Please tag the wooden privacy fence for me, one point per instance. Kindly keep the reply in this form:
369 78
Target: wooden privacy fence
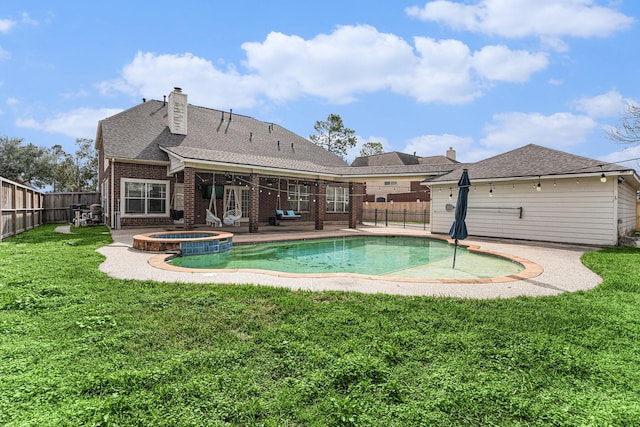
61 207
21 208
408 214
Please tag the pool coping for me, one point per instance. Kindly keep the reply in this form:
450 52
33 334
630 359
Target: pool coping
562 269
530 271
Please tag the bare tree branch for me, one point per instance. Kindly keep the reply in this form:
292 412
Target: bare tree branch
629 130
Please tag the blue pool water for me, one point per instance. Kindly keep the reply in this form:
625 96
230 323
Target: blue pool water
402 257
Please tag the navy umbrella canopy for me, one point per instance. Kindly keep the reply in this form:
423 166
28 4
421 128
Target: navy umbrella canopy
458 229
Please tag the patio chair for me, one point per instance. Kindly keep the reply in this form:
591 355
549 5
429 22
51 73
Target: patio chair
213 220
232 217
281 214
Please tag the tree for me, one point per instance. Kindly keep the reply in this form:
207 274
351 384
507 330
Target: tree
371 149
43 167
26 164
629 130
334 136
77 172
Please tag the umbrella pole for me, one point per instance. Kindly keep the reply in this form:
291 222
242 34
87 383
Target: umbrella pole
455 249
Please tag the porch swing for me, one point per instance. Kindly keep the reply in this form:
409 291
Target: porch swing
212 217
233 210
281 213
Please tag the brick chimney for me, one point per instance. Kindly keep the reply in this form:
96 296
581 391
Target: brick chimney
177 112
451 153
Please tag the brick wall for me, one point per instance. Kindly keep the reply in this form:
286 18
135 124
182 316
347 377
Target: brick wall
139 171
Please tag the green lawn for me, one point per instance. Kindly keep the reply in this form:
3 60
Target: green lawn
80 348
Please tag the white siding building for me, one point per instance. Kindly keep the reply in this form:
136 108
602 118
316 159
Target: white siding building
535 193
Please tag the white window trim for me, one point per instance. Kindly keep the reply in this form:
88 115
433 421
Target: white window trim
167 203
331 191
299 197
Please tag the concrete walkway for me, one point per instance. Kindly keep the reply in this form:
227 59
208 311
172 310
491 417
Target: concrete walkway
562 270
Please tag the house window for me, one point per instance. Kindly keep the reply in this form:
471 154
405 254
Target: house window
298 198
142 197
387 183
337 199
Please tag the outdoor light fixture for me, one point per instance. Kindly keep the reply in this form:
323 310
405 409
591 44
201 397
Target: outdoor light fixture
538 187
603 178
450 193
490 190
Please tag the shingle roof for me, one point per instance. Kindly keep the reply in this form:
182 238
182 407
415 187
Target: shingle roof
139 132
437 160
527 161
395 158
386 159
142 133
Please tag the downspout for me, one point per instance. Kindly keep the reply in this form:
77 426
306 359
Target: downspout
112 195
615 214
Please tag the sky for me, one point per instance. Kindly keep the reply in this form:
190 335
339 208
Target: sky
481 76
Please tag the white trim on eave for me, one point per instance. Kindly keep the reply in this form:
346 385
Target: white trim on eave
629 172
178 163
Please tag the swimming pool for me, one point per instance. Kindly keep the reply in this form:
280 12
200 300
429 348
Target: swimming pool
385 256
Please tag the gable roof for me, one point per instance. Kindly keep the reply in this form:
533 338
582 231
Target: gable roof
386 159
437 160
142 133
530 161
396 158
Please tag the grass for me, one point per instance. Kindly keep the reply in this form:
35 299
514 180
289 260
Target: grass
80 348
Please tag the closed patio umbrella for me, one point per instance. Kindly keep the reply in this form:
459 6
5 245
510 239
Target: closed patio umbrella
459 228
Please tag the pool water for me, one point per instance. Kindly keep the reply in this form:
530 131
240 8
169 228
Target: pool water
401 257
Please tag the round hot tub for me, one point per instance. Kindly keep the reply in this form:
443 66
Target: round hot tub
186 242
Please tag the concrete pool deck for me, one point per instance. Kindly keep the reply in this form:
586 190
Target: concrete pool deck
561 269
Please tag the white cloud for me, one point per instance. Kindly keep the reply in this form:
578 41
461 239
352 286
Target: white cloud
26 19
437 145
73 95
4 54
151 76
522 18
12 101
442 73
6 25
627 156
504 64
79 123
610 104
559 130
351 61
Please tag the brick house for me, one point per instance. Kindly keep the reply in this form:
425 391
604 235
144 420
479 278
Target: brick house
167 161
402 190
